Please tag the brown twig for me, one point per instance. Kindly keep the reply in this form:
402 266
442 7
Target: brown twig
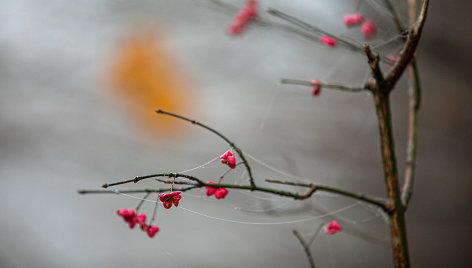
408 51
311 28
414 105
305 248
195 182
333 190
318 32
140 178
230 143
324 85
136 191
412 10
381 93
396 18
374 65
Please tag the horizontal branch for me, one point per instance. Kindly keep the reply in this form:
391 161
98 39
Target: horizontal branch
333 190
136 191
195 182
230 143
323 85
140 178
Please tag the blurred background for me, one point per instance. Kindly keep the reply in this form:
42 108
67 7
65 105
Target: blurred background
79 83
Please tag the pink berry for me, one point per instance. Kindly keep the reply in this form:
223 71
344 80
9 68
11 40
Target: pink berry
170 198
152 231
329 41
131 224
368 28
210 190
353 19
333 227
141 219
221 193
231 161
317 87
241 19
144 227
167 204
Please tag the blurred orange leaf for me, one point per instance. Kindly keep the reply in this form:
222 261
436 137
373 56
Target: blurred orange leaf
145 78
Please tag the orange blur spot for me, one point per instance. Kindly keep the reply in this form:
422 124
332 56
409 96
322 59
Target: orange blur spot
145 78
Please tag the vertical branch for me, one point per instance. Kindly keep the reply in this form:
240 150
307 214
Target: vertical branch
374 64
414 105
397 221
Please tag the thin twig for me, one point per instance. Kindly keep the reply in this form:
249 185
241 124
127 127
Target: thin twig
351 44
332 190
412 11
141 202
311 28
227 171
374 64
136 191
140 178
396 18
323 85
305 248
154 213
315 235
408 51
414 105
230 143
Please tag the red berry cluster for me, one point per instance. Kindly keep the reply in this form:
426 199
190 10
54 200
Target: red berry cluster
170 198
219 192
228 158
130 217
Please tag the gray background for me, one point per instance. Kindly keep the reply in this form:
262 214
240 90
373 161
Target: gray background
63 130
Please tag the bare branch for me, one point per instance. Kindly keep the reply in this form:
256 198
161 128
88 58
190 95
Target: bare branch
330 189
305 248
374 64
323 85
316 30
408 51
351 44
230 143
412 11
396 18
414 105
158 190
197 183
140 178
